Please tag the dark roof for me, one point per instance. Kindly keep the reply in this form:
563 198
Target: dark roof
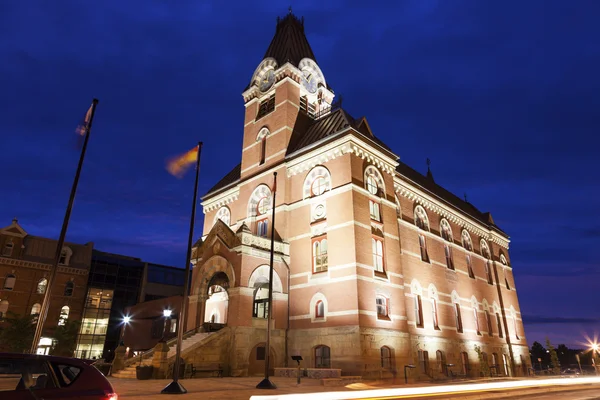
289 43
231 177
428 184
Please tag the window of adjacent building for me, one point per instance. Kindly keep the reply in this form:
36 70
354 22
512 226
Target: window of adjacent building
440 359
318 186
488 321
448 254
470 267
418 305
464 363
173 326
434 314
466 240
320 254
261 302
374 210
488 272
35 312
8 248
64 315
386 357
266 106
424 361
372 185
421 219
499 323
322 357
423 248
42 285
9 282
320 309
382 307
476 319
3 309
458 318
224 215
377 249
69 289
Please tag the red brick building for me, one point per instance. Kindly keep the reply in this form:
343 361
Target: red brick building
376 266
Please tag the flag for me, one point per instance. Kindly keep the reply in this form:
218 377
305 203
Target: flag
83 125
178 165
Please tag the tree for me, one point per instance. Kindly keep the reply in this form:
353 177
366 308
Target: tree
17 334
65 339
483 363
553 357
538 352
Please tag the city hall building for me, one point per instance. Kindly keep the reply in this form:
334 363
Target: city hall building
376 266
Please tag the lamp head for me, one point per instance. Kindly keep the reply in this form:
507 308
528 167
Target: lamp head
126 319
167 312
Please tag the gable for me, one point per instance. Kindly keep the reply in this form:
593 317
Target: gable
13 229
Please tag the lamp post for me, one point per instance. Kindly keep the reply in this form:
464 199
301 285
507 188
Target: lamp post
594 347
126 320
405 374
167 315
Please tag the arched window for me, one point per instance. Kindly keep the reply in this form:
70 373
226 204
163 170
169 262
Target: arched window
418 304
382 307
466 240
224 215
377 249
261 299
374 210
449 259
470 267
64 315
488 321
262 139
424 361
440 359
320 254
423 248
374 181
464 363
457 312
446 230
434 314
8 248
322 357
485 249
3 309
504 268
488 272
69 289
513 314
261 193
42 285
495 366
317 182
476 315
386 358
320 309
9 282
262 207
421 219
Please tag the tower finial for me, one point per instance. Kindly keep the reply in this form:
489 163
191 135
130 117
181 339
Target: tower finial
429 174
428 164
290 9
466 198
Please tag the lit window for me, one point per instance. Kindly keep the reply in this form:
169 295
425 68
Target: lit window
448 253
9 282
69 289
434 314
423 246
382 307
421 219
320 309
320 255
418 311
3 308
35 312
8 248
372 185
261 301
446 230
318 186
262 227
377 248
42 285
64 315
374 210
470 267
466 240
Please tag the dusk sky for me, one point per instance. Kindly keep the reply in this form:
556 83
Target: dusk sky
502 96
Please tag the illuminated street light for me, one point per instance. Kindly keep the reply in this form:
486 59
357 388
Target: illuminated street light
167 313
126 319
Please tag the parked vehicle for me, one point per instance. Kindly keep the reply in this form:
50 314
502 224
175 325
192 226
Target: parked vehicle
37 377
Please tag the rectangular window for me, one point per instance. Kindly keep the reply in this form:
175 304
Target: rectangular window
266 106
458 317
488 320
499 323
476 318
262 227
382 307
470 267
448 253
418 311
506 279
374 209
377 248
424 361
488 272
423 246
263 150
434 311
173 327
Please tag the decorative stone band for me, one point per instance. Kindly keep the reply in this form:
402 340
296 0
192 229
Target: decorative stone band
264 243
222 199
42 266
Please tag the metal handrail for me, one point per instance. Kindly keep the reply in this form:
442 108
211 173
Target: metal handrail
140 358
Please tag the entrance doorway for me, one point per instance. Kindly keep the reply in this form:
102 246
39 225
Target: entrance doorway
256 361
217 303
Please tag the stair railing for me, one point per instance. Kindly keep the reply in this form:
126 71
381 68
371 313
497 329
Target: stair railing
148 354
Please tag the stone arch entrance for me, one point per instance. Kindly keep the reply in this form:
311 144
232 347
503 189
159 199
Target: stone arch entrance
256 360
216 306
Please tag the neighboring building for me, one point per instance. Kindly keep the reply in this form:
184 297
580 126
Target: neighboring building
25 264
376 265
117 282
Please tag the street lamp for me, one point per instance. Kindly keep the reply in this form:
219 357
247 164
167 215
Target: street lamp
594 347
167 315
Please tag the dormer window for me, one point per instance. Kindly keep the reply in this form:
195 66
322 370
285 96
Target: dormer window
8 248
65 256
266 107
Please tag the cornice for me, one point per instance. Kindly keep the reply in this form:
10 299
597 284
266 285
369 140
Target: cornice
36 265
418 196
222 199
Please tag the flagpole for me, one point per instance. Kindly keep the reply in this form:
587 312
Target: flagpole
175 387
61 239
266 383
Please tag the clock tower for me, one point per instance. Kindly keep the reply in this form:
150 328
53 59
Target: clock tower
287 92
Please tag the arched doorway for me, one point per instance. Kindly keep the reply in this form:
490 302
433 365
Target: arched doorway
216 305
261 299
256 361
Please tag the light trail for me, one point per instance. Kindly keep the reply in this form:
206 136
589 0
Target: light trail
432 390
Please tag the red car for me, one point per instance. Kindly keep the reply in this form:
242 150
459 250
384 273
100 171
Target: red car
37 377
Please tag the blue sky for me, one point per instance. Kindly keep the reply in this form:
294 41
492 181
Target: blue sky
501 96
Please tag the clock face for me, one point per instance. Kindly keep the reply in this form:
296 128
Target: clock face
309 82
267 81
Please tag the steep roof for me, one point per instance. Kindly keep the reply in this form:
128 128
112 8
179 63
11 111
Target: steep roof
231 177
289 43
